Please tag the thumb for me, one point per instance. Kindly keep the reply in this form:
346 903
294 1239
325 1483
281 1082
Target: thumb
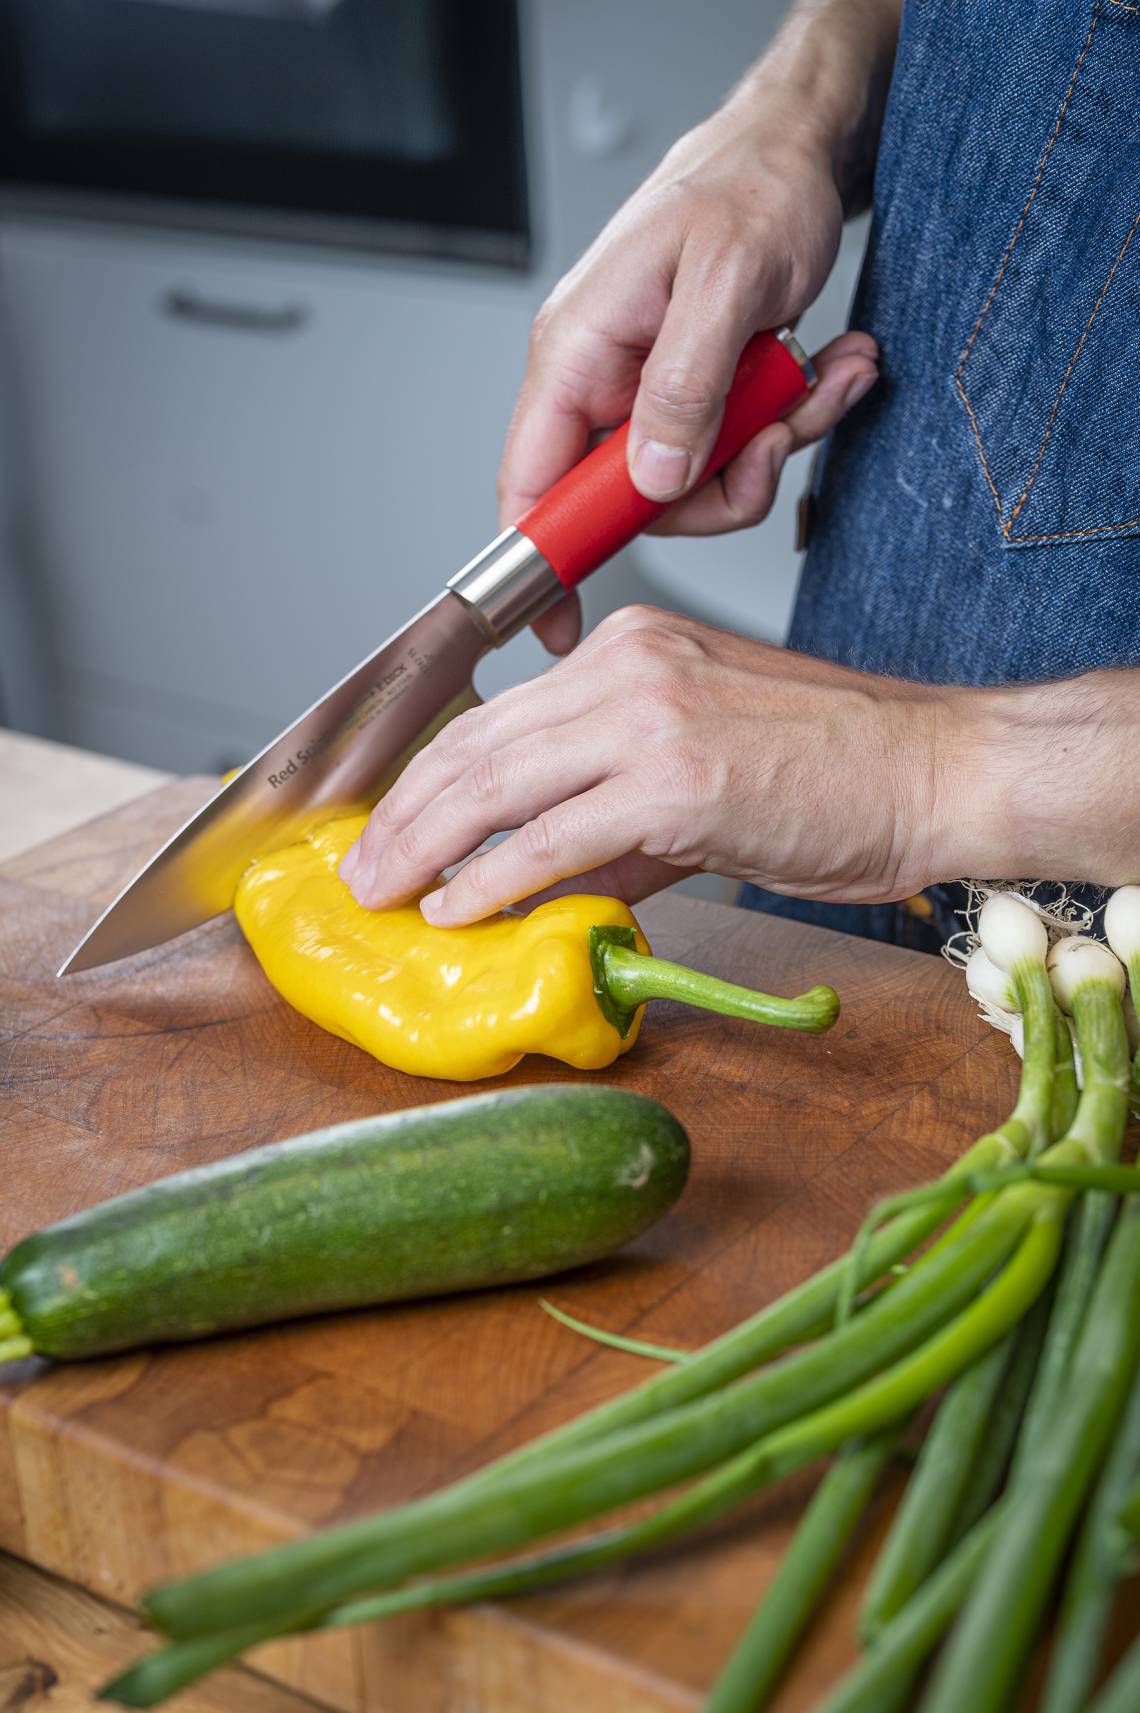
683 386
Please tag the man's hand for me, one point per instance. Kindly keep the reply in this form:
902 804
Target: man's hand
659 747
662 746
736 230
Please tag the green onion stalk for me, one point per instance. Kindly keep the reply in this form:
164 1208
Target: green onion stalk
173 1668
982 1664
992 1458
924 1522
615 1340
1129 1518
274 1592
1094 1137
1092 1219
992 1462
1011 936
964 1456
1121 1694
980 1667
760 1657
477 1516
1098 1564
882 1679
1065 1091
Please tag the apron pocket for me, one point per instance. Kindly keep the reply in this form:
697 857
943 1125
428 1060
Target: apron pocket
1049 373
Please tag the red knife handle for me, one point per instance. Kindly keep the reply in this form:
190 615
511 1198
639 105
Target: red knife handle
595 510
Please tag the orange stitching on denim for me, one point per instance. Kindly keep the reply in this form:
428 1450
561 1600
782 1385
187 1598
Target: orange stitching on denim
1121 7
1042 164
1079 534
999 276
981 449
1067 376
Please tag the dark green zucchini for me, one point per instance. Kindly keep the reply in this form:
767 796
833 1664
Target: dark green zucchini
480 1191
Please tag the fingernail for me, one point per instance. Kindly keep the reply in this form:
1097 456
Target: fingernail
858 389
363 886
431 905
661 470
348 862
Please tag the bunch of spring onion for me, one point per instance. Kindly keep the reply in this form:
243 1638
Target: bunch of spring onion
713 1429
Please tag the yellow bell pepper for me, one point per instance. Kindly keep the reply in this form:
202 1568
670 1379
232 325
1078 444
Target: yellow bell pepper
568 980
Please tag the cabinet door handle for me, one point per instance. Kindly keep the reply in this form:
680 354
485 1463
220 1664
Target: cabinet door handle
182 304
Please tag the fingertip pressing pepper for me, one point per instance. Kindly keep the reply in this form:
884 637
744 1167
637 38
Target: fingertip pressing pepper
570 979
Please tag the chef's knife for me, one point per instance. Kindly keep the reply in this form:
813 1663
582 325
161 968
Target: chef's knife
344 752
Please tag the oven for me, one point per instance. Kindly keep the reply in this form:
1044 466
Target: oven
396 124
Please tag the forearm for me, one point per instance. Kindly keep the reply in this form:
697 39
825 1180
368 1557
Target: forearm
830 67
1041 782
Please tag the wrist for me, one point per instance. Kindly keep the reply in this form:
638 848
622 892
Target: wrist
974 832
823 84
1033 786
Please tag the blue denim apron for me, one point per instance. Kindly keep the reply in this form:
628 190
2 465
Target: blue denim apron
976 520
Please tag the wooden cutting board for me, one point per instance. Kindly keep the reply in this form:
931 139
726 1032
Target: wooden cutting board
121 1473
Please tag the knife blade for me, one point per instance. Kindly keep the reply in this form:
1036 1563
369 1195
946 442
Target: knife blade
344 751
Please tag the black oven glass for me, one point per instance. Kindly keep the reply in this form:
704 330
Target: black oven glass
382 116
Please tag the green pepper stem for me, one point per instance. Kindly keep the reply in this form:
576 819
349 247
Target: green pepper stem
632 978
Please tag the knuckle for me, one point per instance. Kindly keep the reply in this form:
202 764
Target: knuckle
538 840
651 649
386 817
409 845
540 326
485 780
465 730
472 883
745 511
636 652
637 616
680 395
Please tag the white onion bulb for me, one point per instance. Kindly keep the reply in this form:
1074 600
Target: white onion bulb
1122 922
989 985
1011 931
1077 959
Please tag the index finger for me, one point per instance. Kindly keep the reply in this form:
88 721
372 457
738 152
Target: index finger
572 837
572 388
